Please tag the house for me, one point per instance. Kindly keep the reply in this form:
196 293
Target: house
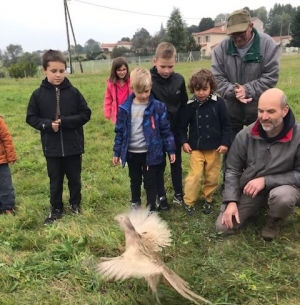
108 47
282 40
209 39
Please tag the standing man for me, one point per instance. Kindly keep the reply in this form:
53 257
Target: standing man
263 168
245 65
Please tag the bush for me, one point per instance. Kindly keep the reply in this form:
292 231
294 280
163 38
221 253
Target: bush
21 70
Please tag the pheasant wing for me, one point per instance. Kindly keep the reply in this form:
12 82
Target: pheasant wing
151 227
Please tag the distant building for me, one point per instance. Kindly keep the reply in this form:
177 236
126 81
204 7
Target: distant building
108 47
282 40
209 39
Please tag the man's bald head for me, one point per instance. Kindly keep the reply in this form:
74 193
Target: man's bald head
273 97
272 108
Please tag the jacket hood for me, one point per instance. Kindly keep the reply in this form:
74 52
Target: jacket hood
65 84
154 73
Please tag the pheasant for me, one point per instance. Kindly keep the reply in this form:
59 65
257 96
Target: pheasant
145 236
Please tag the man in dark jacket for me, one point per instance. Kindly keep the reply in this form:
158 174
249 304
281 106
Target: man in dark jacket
263 168
59 111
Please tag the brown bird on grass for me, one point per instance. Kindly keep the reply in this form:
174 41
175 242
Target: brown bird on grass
145 235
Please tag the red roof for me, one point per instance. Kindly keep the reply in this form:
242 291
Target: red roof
210 31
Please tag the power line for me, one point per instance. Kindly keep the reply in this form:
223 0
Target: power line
126 11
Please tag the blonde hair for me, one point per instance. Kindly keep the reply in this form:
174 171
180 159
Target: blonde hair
165 50
140 79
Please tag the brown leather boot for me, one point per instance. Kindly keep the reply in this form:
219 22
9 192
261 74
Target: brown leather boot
271 229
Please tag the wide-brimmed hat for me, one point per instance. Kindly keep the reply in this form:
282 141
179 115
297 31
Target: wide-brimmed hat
238 21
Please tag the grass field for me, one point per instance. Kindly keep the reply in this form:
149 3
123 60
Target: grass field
55 265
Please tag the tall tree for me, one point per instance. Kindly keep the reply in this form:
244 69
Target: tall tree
177 31
295 29
206 24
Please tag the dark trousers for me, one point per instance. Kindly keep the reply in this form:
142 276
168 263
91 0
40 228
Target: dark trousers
138 170
7 192
57 168
176 173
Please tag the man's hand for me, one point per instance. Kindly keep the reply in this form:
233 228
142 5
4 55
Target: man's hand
240 94
230 212
253 187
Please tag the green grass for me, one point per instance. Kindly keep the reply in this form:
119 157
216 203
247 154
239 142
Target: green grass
55 265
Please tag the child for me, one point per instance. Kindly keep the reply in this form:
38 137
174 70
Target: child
169 88
142 134
206 118
117 88
7 156
59 111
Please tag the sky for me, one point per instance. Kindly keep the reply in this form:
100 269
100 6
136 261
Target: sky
40 24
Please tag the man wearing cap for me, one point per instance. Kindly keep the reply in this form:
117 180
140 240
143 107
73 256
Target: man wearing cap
245 65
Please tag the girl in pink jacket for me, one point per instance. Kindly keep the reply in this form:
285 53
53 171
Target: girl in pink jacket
117 88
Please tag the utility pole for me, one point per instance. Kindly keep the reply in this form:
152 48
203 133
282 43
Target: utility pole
68 38
74 38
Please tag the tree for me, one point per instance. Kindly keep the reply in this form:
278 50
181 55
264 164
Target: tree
192 29
125 39
295 30
11 54
221 17
192 45
206 24
118 52
26 65
177 31
140 41
158 38
279 19
91 46
260 13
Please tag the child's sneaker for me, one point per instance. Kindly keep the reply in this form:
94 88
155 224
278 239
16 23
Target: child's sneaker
76 208
206 208
162 204
152 209
135 205
178 199
54 215
190 209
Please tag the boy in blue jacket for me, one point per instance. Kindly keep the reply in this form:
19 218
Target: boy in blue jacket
142 134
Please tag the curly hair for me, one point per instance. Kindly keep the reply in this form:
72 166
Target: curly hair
200 79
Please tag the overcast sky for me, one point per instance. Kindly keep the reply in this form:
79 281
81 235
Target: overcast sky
40 24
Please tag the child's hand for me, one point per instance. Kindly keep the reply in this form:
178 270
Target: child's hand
222 149
116 160
187 148
55 125
172 158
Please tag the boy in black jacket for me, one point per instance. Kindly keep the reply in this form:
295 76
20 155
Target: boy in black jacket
204 131
169 88
59 111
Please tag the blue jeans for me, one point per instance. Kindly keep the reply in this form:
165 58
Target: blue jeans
7 192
